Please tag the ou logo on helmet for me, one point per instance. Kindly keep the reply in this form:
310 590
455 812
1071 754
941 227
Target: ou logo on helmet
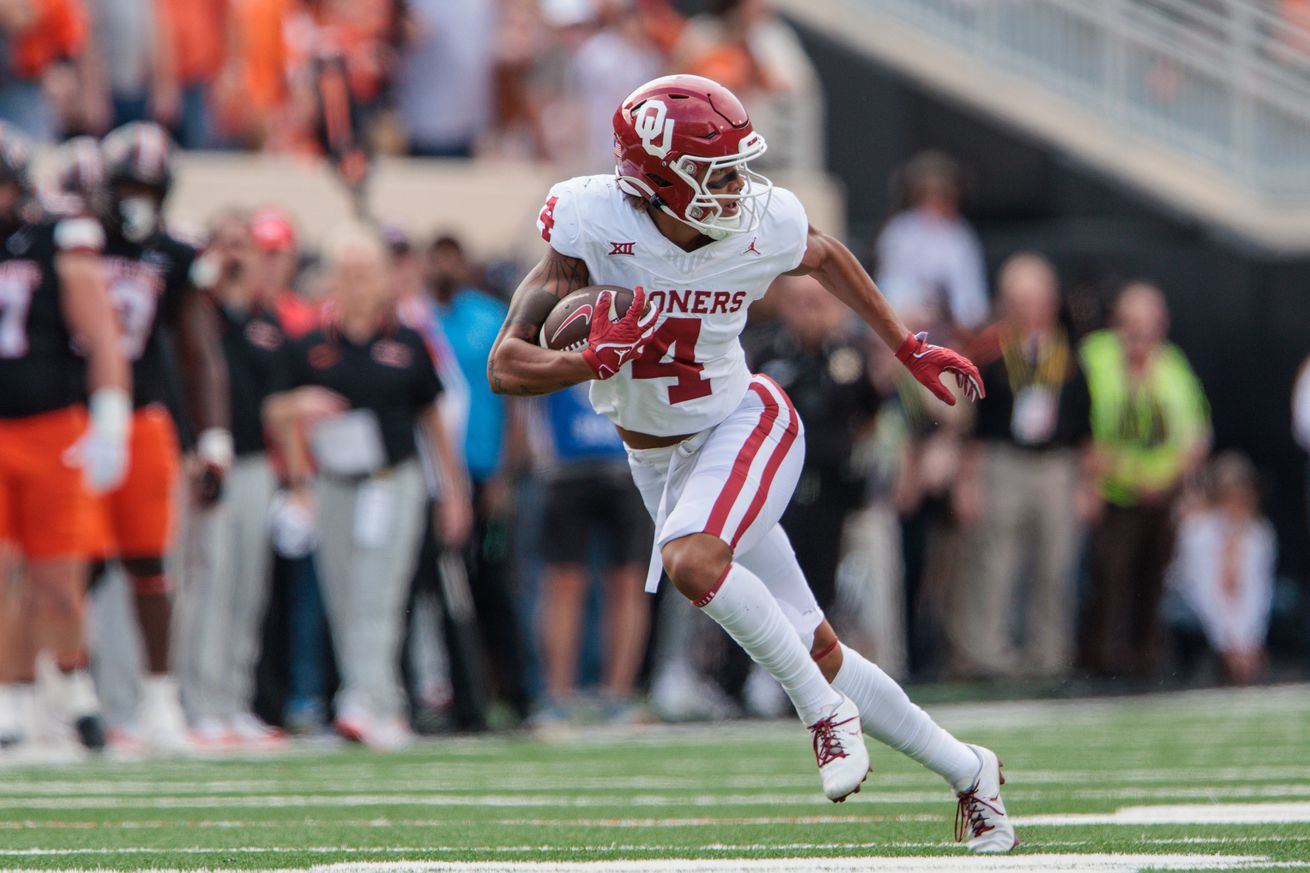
654 127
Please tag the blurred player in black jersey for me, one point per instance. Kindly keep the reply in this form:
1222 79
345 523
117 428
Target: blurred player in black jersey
53 454
148 273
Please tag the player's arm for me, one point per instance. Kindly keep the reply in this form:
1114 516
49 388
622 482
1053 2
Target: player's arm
203 369
89 314
204 374
90 317
838 270
518 364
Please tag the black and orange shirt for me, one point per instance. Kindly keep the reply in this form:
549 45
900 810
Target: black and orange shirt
39 368
391 374
147 282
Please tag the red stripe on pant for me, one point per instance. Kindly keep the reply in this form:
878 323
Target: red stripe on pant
742 465
774 462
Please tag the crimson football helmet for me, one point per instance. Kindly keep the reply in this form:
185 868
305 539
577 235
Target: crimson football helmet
672 134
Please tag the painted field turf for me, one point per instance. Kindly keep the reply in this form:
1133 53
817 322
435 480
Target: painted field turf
1196 781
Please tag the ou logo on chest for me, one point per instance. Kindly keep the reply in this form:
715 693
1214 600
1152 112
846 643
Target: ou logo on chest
654 127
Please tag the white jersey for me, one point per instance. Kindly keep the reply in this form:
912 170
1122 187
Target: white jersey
693 374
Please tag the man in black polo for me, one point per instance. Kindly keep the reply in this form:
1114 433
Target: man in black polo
229 554
350 395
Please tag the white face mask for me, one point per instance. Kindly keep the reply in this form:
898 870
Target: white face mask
140 215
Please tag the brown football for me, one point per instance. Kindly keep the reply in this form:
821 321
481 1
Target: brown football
569 323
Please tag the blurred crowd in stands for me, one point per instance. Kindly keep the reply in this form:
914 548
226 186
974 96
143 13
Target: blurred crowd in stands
1073 524
439 78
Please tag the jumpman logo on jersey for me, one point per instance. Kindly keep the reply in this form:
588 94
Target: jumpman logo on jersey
751 248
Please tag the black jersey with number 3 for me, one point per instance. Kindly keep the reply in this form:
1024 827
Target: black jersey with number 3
39 369
146 282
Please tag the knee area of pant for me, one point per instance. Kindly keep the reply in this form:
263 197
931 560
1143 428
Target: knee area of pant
696 563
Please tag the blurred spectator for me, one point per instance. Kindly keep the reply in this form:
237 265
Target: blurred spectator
591 510
272 267
928 257
931 442
747 47
471 320
198 36
444 87
253 88
1301 411
615 59
1150 428
45 82
821 363
553 105
442 659
273 271
359 387
1224 567
230 559
137 61
1021 484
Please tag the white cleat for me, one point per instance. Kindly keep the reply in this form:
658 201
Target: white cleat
981 814
163 726
840 752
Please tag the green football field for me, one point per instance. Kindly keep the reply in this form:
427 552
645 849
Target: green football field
1197 781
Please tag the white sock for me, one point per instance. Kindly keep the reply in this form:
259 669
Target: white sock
743 606
890 717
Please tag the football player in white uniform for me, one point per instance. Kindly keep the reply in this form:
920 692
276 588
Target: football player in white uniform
715 450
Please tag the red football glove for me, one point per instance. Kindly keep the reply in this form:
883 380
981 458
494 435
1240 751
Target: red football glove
611 344
927 363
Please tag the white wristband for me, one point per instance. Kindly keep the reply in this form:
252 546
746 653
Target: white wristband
215 447
111 413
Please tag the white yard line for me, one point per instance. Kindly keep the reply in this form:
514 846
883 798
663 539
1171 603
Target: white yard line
536 777
1191 814
1045 863
698 798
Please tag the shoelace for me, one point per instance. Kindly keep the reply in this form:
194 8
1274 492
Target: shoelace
969 815
827 746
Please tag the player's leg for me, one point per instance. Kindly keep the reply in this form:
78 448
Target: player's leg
52 520
141 516
740 477
11 619
887 714
16 652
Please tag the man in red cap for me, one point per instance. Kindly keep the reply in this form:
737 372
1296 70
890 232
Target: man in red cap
276 259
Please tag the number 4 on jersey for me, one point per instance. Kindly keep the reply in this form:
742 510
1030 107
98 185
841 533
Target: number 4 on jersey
676 337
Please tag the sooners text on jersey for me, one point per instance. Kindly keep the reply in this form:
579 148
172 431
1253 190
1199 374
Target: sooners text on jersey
693 372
